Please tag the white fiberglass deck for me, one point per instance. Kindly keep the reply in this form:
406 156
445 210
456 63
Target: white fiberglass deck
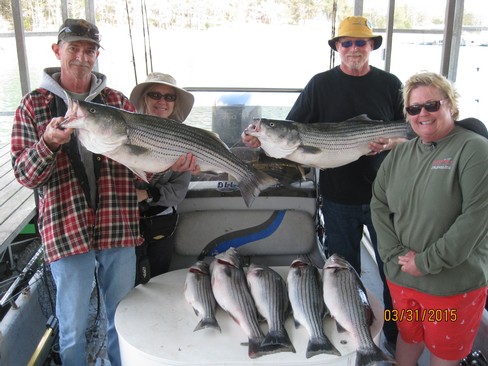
155 326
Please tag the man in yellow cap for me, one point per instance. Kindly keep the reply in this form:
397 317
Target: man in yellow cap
348 90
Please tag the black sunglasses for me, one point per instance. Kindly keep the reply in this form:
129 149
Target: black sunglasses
81 31
432 106
158 96
358 43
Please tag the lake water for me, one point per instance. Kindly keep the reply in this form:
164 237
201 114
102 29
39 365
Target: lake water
240 56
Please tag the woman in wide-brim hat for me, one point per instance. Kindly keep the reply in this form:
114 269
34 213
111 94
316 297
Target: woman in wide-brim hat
158 199
159 95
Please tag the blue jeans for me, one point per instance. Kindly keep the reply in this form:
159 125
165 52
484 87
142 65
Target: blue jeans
344 230
74 278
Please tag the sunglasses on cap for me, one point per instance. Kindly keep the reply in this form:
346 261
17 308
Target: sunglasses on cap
432 106
158 96
79 30
358 43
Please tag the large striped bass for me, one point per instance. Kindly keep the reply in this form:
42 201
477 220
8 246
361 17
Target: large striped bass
232 294
305 294
347 301
198 293
270 295
322 145
145 143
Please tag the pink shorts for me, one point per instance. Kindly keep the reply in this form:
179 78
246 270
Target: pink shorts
446 324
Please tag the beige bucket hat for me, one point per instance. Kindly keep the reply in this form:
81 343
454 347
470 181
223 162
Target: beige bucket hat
184 100
358 27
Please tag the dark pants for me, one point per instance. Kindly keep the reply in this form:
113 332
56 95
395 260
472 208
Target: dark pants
159 253
152 259
344 230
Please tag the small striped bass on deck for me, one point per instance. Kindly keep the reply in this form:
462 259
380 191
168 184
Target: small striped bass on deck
305 294
230 289
347 300
270 295
198 293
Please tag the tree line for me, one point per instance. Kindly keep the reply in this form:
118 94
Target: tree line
40 15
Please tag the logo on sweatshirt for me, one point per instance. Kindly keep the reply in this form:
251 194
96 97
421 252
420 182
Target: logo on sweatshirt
445 164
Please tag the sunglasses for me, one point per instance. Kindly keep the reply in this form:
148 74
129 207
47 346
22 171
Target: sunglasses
80 31
358 43
158 96
432 106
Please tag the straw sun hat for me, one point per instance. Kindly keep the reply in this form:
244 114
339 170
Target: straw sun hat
358 27
184 100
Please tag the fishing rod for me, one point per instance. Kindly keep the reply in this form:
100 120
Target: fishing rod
9 294
333 17
144 35
148 38
131 41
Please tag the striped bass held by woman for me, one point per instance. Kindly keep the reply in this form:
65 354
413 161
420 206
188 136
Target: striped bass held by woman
152 144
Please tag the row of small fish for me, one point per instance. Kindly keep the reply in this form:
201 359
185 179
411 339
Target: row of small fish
150 144
263 292
245 297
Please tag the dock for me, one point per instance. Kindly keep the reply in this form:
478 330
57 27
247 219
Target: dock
17 203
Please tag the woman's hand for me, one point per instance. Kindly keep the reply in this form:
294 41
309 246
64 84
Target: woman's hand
186 163
407 262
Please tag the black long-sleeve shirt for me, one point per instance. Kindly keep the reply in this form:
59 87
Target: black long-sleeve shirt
333 96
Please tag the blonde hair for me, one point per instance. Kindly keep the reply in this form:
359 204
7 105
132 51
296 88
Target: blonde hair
427 78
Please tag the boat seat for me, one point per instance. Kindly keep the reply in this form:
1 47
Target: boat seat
269 237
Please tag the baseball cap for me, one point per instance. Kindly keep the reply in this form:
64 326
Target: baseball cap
78 30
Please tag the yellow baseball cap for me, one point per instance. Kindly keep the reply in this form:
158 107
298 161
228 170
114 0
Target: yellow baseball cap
358 27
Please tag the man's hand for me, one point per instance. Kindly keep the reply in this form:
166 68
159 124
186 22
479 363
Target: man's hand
383 144
55 136
250 141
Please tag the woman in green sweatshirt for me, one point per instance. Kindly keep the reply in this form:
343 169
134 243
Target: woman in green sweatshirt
430 211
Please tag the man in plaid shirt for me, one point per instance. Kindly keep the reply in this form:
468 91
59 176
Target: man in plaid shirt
88 216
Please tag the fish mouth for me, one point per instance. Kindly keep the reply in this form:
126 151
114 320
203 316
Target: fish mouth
337 262
254 127
71 113
298 263
74 112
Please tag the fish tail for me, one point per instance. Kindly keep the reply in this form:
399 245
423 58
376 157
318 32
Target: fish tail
208 323
253 183
257 349
320 345
366 357
279 338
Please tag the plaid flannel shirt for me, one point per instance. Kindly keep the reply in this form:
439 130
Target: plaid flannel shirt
67 224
